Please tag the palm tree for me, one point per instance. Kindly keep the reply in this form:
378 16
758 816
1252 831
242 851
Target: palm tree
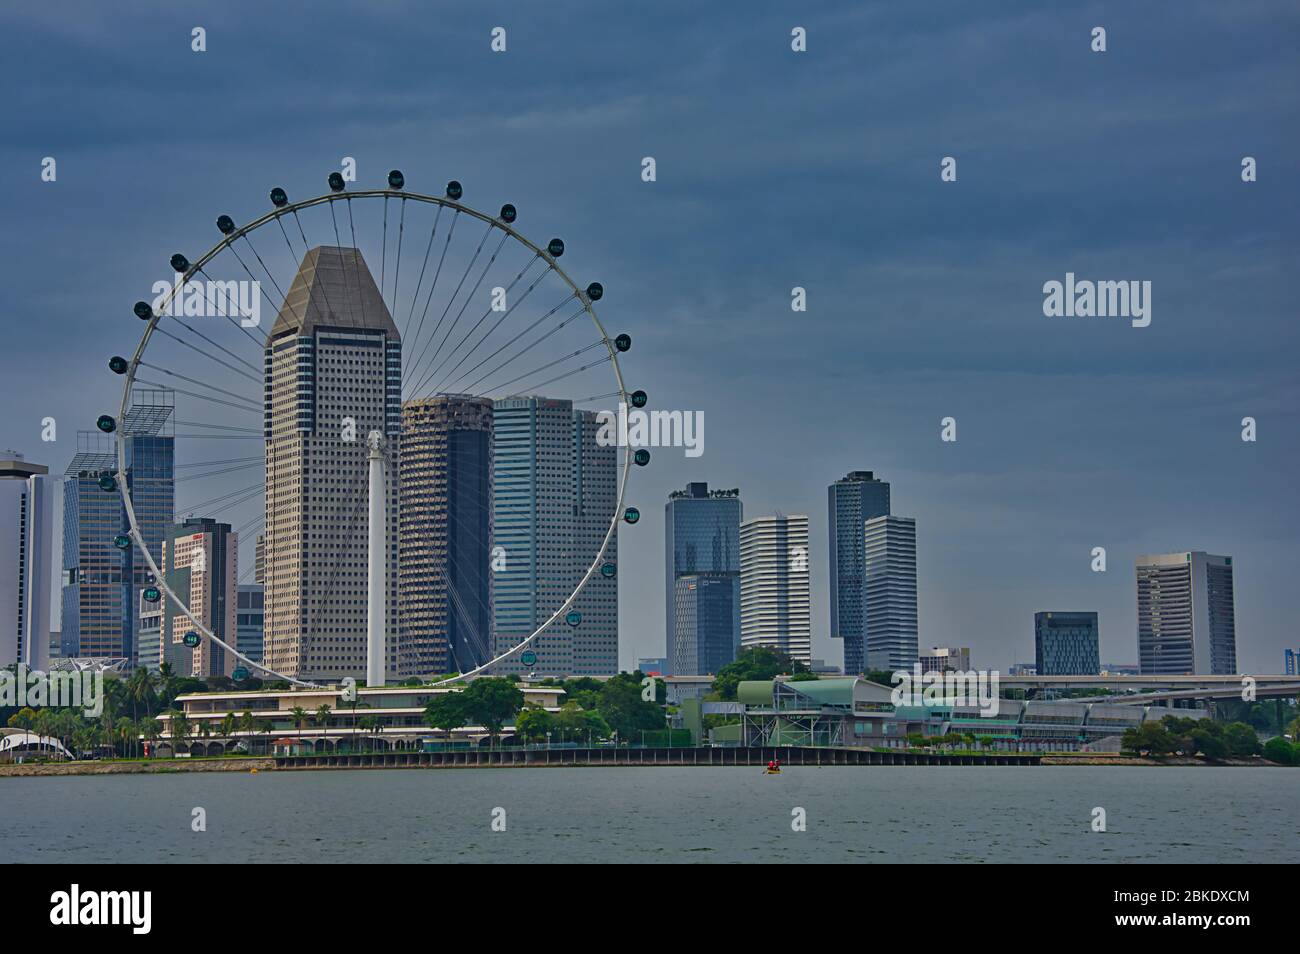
323 713
247 724
265 728
166 683
178 727
228 729
368 724
299 715
151 730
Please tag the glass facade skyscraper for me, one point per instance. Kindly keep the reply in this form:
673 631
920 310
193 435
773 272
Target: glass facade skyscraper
702 540
851 502
1066 644
101 583
444 553
553 497
706 610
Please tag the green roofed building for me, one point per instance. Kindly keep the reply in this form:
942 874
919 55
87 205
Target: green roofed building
847 711
855 713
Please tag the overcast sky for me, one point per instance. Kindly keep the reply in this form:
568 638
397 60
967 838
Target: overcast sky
775 169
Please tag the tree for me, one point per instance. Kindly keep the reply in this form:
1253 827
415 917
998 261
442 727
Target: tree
151 730
490 702
445 711
1208 743
228 723
299 716
323 713
368 724
1241 740
754 663
1149 737
573 719
623 709
1279 750
534 723
178 727
247 724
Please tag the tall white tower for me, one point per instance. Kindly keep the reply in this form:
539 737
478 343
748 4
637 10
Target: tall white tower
377 563
775 599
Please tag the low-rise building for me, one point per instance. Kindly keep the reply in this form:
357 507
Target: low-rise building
389 717
856 713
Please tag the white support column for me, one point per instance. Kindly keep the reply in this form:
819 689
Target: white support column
377 584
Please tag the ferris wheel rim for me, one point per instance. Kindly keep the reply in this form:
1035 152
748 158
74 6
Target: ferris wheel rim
275 215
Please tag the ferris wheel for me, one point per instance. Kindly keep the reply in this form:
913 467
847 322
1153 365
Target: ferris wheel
282 342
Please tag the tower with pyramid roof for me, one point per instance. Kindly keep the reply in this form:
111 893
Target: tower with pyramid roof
333 374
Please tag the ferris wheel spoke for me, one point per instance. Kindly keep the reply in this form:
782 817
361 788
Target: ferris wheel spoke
253 489
231 310
486 314
568 374
447 379
210 357
284 298
383 251
262 291
527 348
356 263
451 231
256 432
465 304
217 473
397 268
217 463
451 301
202 384
293 256
203 397
347 289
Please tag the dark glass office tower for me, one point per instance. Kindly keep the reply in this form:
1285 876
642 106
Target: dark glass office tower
702 540
852 501
1066 644
444 554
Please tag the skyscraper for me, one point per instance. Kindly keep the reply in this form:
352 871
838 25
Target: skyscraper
333 368
945 659
775 602
249 605
702 540
595 498
554 493
852 501
1186 616
444 552
199 560
147 434
102 583
707 614
97 606
889 593
26 561
1066 644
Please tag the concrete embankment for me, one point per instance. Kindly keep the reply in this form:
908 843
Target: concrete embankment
151 767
